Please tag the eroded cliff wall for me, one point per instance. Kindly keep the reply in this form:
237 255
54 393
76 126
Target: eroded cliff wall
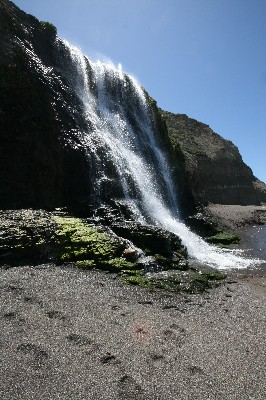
214 169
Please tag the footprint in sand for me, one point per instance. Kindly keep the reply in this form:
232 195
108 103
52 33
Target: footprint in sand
175 333
16 290
54 314
32 300
13 317
35 353
109 358
79 340
129 389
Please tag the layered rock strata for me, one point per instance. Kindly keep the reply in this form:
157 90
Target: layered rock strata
214 169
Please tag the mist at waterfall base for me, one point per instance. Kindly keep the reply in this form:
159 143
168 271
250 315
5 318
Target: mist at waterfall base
124 153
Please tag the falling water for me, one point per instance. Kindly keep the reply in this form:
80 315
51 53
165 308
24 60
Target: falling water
122 138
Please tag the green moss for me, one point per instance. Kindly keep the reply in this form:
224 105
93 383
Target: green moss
223 238
88 247
79 242
170 264
201 279
177 282
188 282
88 264
130 272
118 264
138 280
170 284
198 283
214 276
147 251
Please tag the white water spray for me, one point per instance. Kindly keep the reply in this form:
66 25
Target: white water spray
133 149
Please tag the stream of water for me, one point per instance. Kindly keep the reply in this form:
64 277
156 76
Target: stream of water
124 148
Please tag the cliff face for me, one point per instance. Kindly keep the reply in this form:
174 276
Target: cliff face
45 160
214 169
41 162
45 155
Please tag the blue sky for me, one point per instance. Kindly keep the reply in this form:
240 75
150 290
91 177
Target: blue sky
203 58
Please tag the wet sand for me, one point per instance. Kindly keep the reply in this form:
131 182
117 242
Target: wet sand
81 335
248 222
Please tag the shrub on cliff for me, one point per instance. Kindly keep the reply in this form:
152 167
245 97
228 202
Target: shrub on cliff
49 27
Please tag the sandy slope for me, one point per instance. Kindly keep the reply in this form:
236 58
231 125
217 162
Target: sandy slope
72 334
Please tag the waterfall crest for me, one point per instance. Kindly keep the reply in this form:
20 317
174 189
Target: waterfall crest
126 158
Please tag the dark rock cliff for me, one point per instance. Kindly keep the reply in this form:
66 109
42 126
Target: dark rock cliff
213 167
48 160
41 162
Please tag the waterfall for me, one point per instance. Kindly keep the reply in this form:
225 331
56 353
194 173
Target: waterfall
127 160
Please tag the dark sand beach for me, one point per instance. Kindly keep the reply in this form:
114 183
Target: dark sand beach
234 217
74 334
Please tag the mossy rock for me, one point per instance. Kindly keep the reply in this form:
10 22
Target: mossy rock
118 264
171 284
152 239
214 276
223 238
166 264
34 236
25 236
139 280
191 281
76 241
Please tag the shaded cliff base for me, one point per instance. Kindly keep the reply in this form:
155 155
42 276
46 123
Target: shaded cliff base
74 334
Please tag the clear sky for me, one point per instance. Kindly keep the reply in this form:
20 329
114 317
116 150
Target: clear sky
203 58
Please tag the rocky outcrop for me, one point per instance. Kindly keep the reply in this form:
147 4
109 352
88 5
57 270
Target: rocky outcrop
214 169
37 237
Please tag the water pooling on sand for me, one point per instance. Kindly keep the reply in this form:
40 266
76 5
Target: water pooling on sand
253 243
